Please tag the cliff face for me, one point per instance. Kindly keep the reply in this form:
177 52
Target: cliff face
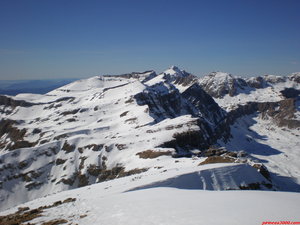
219 84
282 112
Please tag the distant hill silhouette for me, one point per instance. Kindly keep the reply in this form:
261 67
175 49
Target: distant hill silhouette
14 87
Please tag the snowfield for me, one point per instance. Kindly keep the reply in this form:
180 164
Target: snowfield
112 203
277 147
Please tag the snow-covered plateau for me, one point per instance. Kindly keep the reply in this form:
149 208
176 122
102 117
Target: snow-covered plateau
147 148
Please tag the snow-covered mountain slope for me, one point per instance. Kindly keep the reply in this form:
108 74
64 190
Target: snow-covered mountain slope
144 199
264 122
229 91
219 84
162 129
277 147
97 129
179 78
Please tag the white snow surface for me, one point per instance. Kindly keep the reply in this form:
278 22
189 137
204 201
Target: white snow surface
277 147
177 202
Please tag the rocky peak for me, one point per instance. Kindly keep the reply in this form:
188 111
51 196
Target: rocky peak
175 68
265 81
295 77
218 84
194 100
256 82
175 72
273 79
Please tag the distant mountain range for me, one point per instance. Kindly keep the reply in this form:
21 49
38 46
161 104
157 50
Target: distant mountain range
146 130
14 87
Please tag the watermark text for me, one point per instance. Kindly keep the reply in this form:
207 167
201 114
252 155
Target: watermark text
280 222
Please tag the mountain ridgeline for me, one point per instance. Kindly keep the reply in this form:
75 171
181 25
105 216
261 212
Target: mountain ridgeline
113 126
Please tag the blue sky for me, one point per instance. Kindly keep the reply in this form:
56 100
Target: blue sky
83 38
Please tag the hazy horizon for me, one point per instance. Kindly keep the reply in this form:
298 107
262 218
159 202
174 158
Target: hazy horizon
158 72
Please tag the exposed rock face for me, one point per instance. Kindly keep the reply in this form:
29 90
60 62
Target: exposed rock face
166 102
10 102
265 81
177 76
273 79
218 84
295 77
283 112
14 137
186 80
142 76
169 103
256 82
162 102
186 141
204 104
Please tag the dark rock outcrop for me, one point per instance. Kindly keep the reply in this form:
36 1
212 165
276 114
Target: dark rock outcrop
143 76
295 77
290 93
166 102
10 102
256 82
186 80
281 112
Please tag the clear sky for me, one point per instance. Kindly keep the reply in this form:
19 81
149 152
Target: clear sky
83 38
